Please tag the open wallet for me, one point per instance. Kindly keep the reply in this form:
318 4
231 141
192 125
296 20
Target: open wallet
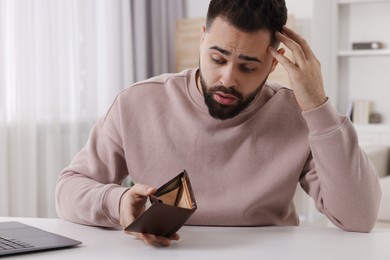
172 204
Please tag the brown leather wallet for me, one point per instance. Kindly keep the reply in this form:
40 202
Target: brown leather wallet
172 204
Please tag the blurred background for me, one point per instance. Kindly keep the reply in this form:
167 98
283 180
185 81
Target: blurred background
62 62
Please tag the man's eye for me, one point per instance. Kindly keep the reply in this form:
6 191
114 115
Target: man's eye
246 69
218 61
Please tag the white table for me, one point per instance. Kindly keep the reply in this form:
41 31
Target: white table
267 243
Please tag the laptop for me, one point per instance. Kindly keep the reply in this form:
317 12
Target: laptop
16 238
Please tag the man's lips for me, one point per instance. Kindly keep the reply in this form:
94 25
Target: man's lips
224 99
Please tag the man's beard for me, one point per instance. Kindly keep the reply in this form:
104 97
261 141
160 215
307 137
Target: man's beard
220 111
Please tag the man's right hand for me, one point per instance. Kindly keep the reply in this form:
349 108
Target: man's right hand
132 204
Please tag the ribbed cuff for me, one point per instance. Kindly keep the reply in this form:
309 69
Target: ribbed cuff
323 119
112 200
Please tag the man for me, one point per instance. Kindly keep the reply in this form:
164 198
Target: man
245 143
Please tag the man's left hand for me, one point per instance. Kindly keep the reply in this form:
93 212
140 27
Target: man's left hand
305 73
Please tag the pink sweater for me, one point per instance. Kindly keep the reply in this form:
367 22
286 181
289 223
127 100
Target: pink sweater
244 170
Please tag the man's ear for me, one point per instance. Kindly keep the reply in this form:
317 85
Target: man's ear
203 34
275 61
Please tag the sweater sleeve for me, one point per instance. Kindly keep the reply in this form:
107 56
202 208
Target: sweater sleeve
88 191
338 175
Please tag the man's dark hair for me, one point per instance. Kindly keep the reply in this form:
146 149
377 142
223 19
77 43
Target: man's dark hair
249 15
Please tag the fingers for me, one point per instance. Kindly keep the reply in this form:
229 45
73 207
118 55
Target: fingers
142 190
300 49
155 240
300 40
132 203
175 236
298 46
286 63
297 52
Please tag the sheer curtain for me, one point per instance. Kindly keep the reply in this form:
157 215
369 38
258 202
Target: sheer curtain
61 64
154 27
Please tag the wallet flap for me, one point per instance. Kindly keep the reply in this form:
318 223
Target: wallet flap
183 198
177 192
172 204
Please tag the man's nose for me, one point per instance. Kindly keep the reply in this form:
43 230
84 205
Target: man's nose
228 78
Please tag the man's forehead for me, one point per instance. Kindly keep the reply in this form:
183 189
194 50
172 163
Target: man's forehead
221 24
225 36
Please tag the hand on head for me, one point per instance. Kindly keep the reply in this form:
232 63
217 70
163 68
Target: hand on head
304 72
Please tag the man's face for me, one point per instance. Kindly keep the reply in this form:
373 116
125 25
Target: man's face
234 66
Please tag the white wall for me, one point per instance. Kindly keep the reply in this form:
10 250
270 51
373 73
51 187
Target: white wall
197 8
301 9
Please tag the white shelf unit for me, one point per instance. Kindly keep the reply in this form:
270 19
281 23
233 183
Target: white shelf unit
357 53
354 74
360 1
373 134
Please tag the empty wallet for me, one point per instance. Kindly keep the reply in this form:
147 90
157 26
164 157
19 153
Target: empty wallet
172 204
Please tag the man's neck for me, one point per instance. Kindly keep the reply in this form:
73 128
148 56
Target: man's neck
198 83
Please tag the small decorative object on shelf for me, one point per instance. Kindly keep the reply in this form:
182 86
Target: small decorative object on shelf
361 112
375 118
376 45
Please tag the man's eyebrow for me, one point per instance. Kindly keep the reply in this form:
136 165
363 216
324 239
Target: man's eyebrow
241 56
223 51
249 58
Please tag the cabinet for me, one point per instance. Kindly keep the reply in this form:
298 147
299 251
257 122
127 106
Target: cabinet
363 74
351 75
